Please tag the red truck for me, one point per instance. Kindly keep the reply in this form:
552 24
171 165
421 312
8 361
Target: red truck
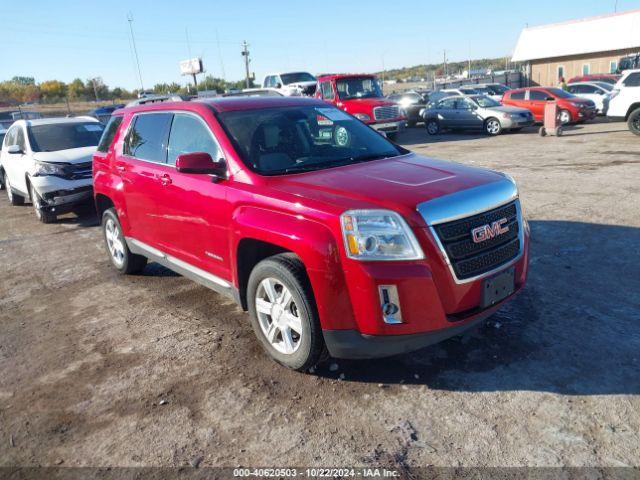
571 108
332 237
361 96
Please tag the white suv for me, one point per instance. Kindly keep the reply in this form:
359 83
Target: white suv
625 100
49 163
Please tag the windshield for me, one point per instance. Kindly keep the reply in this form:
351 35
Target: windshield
296 139
604 85
486 102
288 78
358 87
498 89
63 136
560 93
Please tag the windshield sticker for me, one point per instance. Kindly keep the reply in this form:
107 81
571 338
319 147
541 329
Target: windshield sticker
342 137
322 120
93 128
334 114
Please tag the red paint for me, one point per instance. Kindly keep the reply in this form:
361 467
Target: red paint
576 106
202 222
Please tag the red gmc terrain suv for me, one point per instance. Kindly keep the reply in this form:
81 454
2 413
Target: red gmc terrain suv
361 96
332 237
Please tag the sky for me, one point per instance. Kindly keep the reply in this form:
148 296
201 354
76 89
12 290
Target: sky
65 39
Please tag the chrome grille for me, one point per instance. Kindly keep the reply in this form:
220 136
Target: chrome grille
385 113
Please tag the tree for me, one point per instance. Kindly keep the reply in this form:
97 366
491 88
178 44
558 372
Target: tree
96 89
212 83
51 90
24 80
76 90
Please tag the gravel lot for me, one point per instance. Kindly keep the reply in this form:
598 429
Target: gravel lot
154 370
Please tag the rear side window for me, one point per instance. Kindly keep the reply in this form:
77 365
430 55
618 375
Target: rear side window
517 95
109 133
147 138
633 80
537 95
188 135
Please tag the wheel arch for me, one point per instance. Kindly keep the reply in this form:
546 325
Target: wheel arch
632 108
103 203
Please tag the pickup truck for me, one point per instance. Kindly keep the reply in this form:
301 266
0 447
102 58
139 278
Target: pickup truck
291 83
334 239
624 103
361 96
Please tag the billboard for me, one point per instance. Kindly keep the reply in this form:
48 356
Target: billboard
191 66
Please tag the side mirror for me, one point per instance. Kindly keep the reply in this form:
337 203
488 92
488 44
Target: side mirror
278 85
201 162
14 149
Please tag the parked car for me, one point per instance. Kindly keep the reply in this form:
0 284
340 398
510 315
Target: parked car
48 162
475 112
255 92
572 109
629 62
492 90
625 100
597 92
464 90
438 95
361 96
291 83
411 103
102 114
332 237
611 78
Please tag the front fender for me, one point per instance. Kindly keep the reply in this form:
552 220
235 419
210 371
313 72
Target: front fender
316 246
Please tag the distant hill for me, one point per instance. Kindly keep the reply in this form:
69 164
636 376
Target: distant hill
428 71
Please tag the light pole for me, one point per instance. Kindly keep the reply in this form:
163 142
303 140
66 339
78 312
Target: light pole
135 50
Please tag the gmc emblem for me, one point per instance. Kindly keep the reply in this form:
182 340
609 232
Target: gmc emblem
487 232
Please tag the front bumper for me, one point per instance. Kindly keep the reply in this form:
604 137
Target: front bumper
586 115
517 122
354 345
389 127
59 194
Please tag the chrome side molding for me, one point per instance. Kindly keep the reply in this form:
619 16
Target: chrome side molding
183 268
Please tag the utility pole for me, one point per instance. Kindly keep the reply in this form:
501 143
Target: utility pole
247 60
224 77
444 61
135 50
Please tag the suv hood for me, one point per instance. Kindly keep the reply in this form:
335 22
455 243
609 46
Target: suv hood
72 155
398 184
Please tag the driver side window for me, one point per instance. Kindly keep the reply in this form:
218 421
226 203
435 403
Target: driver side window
326 90
188 135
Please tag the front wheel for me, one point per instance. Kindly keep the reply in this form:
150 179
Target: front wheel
492 126
432 126
634 121
564 117
41 212
283 312
121 257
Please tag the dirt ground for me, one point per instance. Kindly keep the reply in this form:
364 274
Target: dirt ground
153 370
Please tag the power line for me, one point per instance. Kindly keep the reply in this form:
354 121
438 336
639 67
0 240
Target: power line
135 50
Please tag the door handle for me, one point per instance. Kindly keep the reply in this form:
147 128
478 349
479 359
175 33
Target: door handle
165 179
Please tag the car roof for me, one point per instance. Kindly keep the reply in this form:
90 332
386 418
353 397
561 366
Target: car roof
331 76
227 104
55 120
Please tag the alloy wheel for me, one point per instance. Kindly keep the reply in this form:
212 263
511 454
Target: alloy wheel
564 117
36 202
493 127
8 187
432 128
278 316
114 242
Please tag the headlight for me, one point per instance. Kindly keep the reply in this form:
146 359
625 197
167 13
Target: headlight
362 116
378 235
46 168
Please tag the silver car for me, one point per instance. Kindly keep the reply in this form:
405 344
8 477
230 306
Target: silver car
475 112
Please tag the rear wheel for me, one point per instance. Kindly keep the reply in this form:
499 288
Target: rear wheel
283 312
41 212
121 257
432 126
492 126
634 121
1 178
14 198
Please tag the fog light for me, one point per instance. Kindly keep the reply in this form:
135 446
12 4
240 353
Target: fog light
390 304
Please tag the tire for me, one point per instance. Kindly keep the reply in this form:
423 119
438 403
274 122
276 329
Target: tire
634 122
432 126
14 198
1 179
492 126
542 132
122 259
41 213
564 117
268 283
